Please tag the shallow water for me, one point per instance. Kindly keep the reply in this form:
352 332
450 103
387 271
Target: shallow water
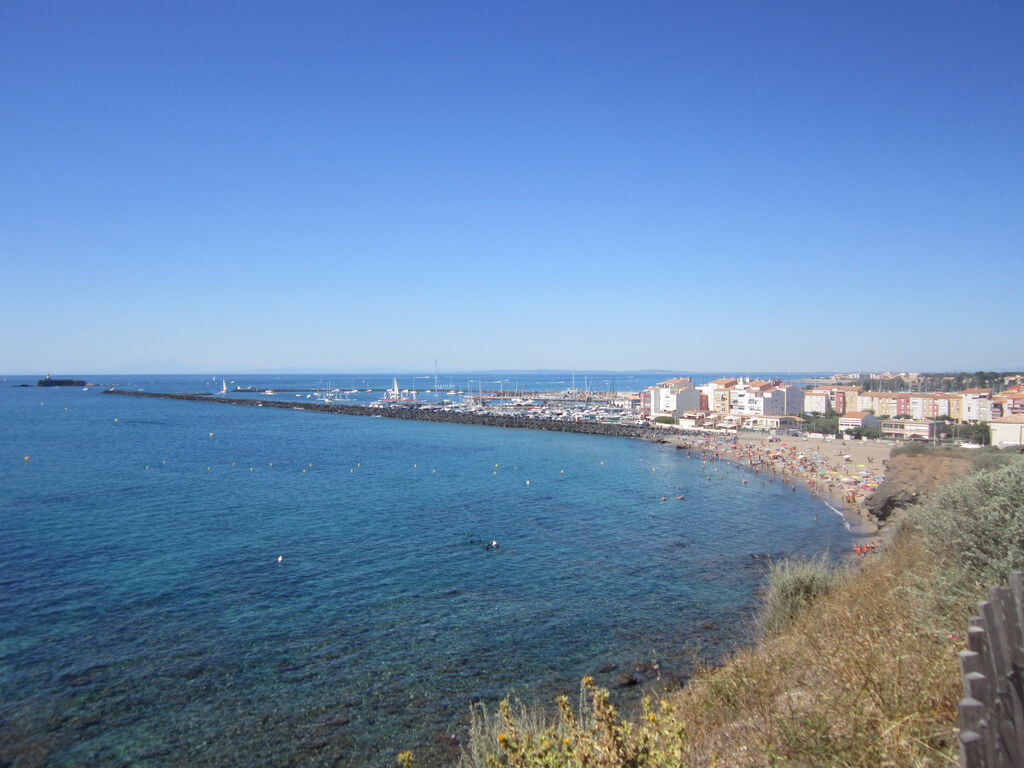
146 619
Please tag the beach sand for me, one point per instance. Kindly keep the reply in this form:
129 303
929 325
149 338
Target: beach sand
815 463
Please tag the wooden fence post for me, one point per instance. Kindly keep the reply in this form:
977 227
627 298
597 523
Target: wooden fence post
992 710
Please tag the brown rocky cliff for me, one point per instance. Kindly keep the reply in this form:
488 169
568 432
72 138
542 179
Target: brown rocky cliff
909 477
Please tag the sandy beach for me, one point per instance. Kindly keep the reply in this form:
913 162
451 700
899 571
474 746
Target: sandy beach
841 473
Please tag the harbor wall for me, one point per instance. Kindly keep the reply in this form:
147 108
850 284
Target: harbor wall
418 413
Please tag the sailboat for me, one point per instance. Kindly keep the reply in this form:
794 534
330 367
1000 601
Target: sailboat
223 387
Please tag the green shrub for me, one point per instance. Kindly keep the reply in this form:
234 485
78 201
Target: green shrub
664 420
912 448
790 587
975 529
991 458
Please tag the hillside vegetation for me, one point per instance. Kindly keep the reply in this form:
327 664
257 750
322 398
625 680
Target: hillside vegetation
854 668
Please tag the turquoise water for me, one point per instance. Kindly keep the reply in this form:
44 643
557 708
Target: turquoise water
145 617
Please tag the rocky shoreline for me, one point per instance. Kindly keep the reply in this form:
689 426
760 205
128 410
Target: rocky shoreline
415 413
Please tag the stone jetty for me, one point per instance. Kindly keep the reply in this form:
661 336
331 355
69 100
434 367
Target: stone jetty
417 413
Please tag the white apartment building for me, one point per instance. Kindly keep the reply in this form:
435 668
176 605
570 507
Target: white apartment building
718 394
816 401
977 405
794 399
747 397
672 398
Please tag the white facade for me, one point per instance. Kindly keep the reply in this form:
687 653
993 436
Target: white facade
857 419
773 403
816 402
745 403
672 400
794 399
977 407
1008 432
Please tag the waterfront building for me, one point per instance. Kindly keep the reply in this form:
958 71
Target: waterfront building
747 397
717 393
775 423
906 429
693 419
855 419
669 398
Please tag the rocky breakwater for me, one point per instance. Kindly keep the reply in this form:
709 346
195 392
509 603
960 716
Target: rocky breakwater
910 477
419 413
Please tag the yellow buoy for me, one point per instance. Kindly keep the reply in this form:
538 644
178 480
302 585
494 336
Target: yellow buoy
414 466
250 469
271 463
26 458
207 469
115 419
495 472
211 434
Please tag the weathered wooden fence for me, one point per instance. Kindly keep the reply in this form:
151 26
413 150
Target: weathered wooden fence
992 710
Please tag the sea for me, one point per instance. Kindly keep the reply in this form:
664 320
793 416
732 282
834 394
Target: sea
205 584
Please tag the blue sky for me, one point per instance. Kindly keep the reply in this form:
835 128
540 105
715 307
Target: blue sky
373 186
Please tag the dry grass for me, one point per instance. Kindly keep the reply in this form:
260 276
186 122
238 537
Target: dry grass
857 669
857 680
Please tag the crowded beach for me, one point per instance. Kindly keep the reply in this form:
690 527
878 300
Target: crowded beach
842 473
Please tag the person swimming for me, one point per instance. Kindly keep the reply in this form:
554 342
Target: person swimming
493 544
